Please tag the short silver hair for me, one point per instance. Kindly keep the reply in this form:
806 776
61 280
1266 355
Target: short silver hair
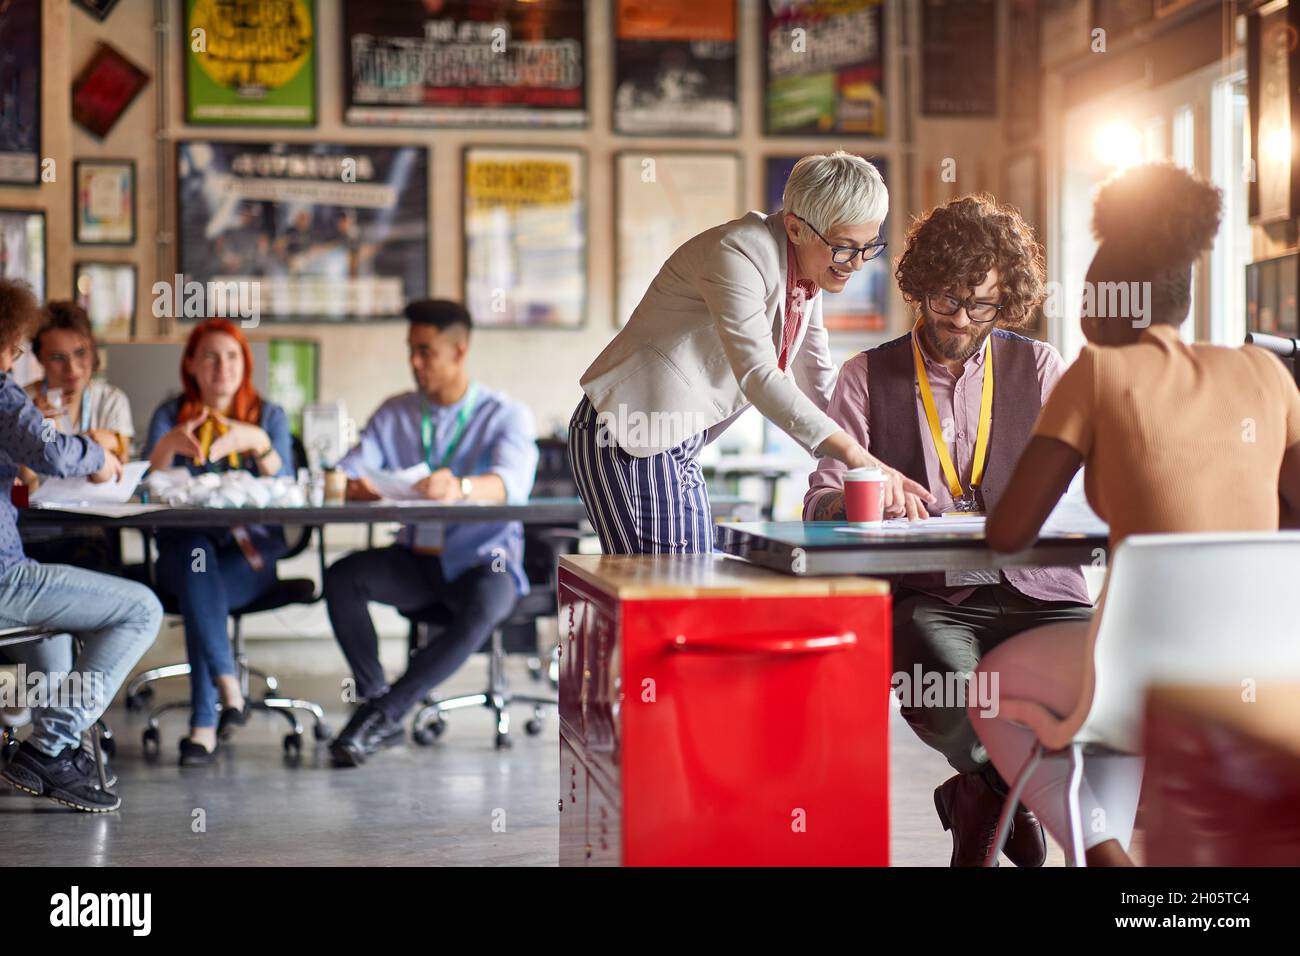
831 190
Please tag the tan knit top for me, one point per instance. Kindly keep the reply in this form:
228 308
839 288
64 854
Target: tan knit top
1177 437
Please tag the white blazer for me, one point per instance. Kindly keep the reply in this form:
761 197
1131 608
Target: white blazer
702 346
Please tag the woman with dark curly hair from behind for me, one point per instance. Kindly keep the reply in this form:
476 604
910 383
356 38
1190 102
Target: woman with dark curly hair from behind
1158 426
951 406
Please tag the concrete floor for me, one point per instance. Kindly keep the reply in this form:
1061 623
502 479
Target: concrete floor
459 802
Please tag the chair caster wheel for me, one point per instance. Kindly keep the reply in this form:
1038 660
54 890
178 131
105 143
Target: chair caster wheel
533 727
293 745
108 745
140 699
426 735
323 732
503 742
149 741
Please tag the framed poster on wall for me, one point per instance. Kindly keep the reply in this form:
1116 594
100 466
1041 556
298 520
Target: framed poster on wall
525 236
825 67
105 87
316 231
1271 287
675 67
22 248
103 206
106 290
661 200
465 63
863 306
1273 70
959 56
20 90
252 70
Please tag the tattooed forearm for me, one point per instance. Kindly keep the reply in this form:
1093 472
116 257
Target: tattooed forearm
830 507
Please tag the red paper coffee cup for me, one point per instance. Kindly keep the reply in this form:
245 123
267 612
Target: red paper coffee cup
864 496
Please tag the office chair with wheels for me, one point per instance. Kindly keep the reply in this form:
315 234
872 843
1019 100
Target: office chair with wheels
1177 608
517 634
283 593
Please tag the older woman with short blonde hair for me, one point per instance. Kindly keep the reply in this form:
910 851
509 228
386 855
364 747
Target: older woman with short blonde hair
733 319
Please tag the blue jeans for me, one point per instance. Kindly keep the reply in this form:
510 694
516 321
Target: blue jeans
208 575
115 619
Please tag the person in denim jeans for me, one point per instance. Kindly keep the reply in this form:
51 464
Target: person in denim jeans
115 619
219 423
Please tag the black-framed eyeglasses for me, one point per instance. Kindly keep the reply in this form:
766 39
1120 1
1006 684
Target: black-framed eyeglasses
941 303
843 255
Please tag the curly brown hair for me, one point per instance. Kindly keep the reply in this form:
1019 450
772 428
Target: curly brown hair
19 312
953 247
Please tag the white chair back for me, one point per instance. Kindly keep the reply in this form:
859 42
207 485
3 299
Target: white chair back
1192 608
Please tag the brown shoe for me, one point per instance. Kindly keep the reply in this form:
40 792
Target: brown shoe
1026 844
969 807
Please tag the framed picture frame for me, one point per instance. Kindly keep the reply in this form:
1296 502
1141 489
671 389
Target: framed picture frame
674 64
281 222
1273 72
251 74
415 64
824 69
104 88
661 199
1271 292
959 42
107 291
525 236
863 306
22 248
103 206
20 79
99 9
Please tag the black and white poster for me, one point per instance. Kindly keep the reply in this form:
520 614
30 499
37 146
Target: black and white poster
319 231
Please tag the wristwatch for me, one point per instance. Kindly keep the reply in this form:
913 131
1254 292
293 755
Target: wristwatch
466 486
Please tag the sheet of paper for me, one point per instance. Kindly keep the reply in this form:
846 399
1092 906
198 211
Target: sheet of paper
1073 515
56 491
398 485
973 524
128 510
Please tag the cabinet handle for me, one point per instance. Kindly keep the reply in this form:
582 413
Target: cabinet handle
772 643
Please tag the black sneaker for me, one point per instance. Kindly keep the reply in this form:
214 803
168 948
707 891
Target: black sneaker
367 732
85 759
64 779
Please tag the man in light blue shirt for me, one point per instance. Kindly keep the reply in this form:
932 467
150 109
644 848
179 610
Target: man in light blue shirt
479 446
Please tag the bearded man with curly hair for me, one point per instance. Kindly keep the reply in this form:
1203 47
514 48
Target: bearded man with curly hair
958 382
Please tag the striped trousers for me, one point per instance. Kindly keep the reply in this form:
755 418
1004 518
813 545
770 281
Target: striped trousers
654 505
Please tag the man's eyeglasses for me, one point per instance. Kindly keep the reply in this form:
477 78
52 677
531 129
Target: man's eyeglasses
843 255
944 304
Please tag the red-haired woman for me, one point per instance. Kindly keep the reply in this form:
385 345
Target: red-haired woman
219 423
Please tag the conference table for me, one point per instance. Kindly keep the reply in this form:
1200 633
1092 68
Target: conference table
544 511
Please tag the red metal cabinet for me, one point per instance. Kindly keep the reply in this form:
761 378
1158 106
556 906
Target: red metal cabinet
722 714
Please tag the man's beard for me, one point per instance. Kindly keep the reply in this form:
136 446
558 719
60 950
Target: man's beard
950 348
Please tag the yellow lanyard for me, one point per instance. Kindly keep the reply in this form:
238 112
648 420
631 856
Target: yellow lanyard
208 431
936 433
